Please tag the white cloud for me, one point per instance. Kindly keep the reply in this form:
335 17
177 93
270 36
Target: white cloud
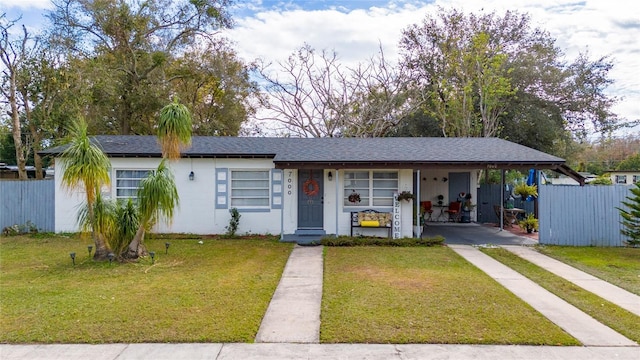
603 28
25 4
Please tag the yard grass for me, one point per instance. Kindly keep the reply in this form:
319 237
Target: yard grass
423 295
619 266
621 320
217 291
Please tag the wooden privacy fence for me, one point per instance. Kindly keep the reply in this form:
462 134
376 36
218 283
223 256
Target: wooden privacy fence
27 201
581 215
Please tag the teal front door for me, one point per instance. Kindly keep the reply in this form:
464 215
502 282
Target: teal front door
310 199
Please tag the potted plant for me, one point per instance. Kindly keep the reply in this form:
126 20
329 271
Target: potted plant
354 197
467 205
405 195
440 199
525 190
529 223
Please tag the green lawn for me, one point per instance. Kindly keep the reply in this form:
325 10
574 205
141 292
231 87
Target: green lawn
623 321
619 266
423 295
217 291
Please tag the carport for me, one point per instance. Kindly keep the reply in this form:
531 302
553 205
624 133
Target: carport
475 234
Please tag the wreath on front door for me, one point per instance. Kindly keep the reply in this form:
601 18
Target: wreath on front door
311 188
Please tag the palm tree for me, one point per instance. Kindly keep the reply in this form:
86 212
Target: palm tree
86 167
157 198
174 129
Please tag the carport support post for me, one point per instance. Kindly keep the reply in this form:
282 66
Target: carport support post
416 203
337 178
501 199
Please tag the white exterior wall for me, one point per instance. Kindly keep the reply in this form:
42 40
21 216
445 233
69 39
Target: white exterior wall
197 211
431 185
405 183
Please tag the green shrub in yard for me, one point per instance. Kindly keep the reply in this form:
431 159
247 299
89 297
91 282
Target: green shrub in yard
375 241
631 217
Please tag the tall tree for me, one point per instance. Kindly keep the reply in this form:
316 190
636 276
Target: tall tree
13 54
314 95
216 86
483 73
127 45
86 168
157 198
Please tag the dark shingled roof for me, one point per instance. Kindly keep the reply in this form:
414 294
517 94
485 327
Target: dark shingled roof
342 152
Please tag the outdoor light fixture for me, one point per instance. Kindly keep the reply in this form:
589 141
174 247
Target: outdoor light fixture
330 176
192 176
153 255
73 258
444 179
166 248
110 256
90 247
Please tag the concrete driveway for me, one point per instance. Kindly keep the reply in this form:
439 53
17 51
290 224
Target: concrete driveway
475 234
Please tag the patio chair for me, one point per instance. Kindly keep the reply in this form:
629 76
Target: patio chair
426 208
454 211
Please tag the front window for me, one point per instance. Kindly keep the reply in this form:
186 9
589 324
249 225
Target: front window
636 179
375 188
621 179
249 188
128 181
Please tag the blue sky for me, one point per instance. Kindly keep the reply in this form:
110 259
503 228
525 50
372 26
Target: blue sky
272 29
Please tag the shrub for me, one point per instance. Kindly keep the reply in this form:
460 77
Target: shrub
631 217
376 241
234 222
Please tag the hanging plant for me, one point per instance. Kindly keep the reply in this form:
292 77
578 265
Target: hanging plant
354 197
525 190
405 195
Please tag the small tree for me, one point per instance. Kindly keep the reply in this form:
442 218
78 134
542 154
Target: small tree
86 167
631 217
174 129
157 198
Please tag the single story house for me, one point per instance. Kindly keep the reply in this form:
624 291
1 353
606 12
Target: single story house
302 186
624 177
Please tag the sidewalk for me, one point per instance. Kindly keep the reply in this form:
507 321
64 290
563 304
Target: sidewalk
313 351
607 291
575 322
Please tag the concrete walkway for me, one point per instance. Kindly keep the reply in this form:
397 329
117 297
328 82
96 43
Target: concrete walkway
575 322
607 291
293 316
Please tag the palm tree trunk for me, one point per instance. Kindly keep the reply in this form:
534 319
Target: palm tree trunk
136 247
102 249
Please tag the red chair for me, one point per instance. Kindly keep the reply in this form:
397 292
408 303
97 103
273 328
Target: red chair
454 211
426 209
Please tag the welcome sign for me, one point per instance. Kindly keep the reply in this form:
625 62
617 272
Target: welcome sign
397 212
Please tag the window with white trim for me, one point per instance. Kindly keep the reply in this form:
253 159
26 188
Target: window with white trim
636 179
621 179
249 188
375 188
128 181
